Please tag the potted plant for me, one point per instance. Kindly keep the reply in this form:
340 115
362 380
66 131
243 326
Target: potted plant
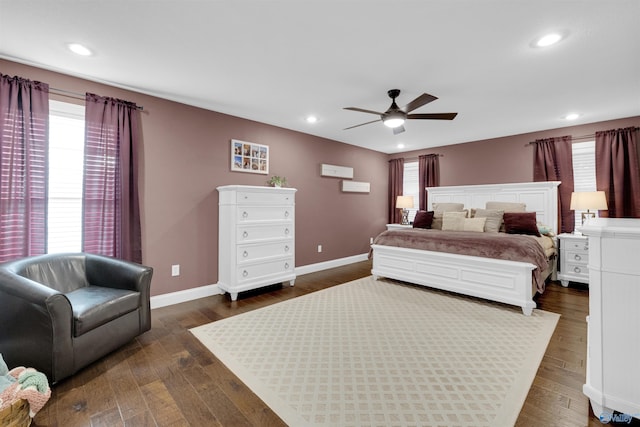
277 181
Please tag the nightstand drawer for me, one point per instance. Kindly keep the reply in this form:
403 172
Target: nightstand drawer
570 244
580 270
576 257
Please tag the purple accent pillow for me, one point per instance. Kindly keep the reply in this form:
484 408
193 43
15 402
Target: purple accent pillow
423 219
521 223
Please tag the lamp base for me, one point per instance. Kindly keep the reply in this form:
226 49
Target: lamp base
405 217
586 215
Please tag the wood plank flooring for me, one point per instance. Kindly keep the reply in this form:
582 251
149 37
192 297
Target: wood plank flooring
167 378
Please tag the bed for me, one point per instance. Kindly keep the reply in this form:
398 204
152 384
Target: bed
505 281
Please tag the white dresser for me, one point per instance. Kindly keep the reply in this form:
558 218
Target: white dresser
613 337
256 237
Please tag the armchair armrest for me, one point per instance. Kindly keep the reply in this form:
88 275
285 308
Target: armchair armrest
115 273
43 315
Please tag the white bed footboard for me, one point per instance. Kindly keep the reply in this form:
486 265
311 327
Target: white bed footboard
509 282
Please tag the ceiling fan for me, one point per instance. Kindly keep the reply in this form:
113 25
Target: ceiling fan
395 117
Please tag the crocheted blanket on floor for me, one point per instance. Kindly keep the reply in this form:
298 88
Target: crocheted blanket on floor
23 383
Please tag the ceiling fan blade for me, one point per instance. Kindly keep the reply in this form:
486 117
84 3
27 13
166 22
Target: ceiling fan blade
398 130
423 99
433 116
362 124
362 110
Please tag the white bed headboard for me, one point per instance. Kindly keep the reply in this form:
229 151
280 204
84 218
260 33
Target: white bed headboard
541 197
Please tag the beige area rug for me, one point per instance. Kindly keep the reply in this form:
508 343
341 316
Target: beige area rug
383 353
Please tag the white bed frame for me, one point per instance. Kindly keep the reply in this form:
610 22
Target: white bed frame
503 281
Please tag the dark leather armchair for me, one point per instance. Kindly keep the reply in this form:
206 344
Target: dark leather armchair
61 312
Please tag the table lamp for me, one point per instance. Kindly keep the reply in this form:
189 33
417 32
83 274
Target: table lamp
405 203
588 200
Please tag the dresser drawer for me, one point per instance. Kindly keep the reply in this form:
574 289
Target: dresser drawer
271 198
248 233
246 253
257 271
263 213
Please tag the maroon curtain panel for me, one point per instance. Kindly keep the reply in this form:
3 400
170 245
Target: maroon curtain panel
428 176
617 171
553 161
111 212
396 176
24 133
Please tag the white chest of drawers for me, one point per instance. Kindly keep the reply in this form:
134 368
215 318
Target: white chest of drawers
256 237
613 333
574 258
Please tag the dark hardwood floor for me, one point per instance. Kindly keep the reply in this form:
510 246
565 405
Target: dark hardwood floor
167 378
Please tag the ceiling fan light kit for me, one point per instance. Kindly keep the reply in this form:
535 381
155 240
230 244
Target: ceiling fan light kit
395 117
393 121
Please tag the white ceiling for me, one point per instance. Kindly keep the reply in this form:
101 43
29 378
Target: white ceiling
278 61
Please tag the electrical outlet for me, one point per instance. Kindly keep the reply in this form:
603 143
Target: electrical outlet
175 270
319 248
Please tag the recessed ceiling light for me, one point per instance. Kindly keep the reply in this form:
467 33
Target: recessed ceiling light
549 39
571 116
79 49
312 119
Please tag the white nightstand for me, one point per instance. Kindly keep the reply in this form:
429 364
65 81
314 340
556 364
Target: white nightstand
398 226
574 258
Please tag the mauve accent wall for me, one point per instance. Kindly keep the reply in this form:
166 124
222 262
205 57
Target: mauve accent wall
502 160
187 155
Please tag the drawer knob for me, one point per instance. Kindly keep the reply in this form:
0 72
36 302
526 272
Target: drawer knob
245 254
245 273
286 231
577 257
286 248
576 269
286 265
586 247
286 214
245 235
245 214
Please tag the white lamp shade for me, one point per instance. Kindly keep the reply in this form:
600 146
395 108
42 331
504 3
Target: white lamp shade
588 200
404 202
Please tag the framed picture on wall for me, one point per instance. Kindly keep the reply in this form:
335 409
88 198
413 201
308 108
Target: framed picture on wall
249 157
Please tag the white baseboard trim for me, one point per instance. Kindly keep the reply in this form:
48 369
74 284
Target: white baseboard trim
164 300
312 268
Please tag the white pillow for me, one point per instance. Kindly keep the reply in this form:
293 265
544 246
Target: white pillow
507 206
440 208
453 221
493 219
456 221
474 224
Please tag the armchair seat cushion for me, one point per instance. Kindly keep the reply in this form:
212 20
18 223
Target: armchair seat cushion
94 306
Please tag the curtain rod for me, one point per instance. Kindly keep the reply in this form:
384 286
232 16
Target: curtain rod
76 95
416 158
573 138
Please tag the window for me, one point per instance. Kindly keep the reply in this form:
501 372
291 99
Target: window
584 169
66 152
410 185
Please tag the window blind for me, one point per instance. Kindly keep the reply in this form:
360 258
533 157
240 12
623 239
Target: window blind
66 150
584 169
410 186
